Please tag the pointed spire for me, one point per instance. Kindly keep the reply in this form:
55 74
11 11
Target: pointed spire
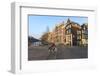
68 21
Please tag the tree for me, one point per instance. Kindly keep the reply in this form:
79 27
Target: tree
44 38
47 29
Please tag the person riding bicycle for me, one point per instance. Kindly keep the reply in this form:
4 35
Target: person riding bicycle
53 49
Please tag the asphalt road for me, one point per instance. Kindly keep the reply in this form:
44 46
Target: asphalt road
41 53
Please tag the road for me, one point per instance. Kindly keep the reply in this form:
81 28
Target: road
41 53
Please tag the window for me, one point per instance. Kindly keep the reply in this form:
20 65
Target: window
78 32
84 36
69 31
85 31
78 37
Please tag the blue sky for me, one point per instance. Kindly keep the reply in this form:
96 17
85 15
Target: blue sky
38 24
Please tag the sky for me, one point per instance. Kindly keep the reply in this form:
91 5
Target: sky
38 24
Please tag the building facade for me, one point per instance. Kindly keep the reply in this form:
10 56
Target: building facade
84 34
59 35
71 33
68 33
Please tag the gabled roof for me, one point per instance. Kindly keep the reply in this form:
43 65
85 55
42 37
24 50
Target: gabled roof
69 22
33 39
